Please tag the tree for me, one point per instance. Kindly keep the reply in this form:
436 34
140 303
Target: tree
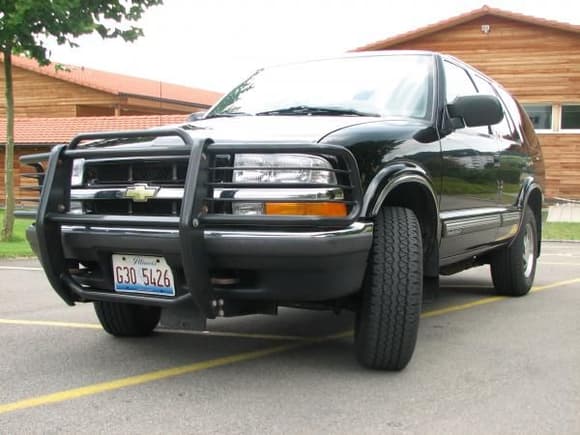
24 27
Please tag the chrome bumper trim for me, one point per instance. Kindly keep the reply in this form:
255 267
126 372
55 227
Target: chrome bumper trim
77 194
354 229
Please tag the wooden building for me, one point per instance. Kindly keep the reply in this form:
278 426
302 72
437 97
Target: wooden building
38 135
537 60
48 91
52 105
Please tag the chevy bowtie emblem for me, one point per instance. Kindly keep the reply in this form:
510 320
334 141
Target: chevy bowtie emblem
141 192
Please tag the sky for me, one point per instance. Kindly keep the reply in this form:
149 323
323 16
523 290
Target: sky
215 44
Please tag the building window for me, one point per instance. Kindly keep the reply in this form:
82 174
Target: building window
570 117
540 115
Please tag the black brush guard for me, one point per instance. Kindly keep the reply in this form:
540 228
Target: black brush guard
52 212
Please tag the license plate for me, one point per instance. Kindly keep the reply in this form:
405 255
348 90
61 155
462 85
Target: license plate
142 274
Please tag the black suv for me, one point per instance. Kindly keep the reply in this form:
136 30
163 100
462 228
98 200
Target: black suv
343 183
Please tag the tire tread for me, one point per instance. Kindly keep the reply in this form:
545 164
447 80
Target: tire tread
506 266
391 302
127 320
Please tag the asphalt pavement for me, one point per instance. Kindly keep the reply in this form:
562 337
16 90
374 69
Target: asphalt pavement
483 365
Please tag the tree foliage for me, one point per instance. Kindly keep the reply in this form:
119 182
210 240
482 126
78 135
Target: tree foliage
26 25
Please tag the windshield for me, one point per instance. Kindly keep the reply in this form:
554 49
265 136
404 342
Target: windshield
388 86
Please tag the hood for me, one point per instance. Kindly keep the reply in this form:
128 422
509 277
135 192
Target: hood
300 129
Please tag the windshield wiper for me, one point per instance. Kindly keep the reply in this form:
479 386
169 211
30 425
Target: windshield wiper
226 114
311 110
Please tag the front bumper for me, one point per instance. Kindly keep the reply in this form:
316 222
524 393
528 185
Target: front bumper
279 266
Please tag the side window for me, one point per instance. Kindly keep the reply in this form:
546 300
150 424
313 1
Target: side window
524 127
504 129
513 111
483 86
458 84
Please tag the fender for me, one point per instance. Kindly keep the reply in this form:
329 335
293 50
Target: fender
394 176
391 177
529 185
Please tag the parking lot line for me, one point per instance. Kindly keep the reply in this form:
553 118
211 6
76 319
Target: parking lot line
102 387
461 307
50 323
34 269
161 330
555 284
559 264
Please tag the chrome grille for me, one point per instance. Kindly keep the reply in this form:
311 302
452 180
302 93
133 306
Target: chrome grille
104 184
125 172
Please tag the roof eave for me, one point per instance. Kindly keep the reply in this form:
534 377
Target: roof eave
465 18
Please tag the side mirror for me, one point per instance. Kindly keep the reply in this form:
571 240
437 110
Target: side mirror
476 110
196 116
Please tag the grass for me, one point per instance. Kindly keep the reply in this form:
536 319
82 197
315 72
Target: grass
18 246
561 231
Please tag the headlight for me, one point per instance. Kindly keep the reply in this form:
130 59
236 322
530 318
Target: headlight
283 168
287 169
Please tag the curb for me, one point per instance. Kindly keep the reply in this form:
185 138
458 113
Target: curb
560 241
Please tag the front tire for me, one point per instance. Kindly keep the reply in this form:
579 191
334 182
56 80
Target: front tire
513 268
127 320
388 316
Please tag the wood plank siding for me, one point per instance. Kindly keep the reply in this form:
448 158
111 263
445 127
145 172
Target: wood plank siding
537 64
19 182
40 96
562 160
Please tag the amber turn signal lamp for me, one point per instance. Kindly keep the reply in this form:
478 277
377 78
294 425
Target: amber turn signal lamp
333 209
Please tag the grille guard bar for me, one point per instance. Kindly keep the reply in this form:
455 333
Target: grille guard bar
55 196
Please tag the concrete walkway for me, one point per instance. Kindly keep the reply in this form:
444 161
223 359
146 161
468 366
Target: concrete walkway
564 213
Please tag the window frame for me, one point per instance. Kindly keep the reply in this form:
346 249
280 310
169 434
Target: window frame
556 117
554 121
560 114
512 112
479 131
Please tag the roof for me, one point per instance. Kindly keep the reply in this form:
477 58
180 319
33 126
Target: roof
119 84
464 18
51 131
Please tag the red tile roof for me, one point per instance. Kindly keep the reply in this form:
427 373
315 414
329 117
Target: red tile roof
119 84
464 18
51 131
